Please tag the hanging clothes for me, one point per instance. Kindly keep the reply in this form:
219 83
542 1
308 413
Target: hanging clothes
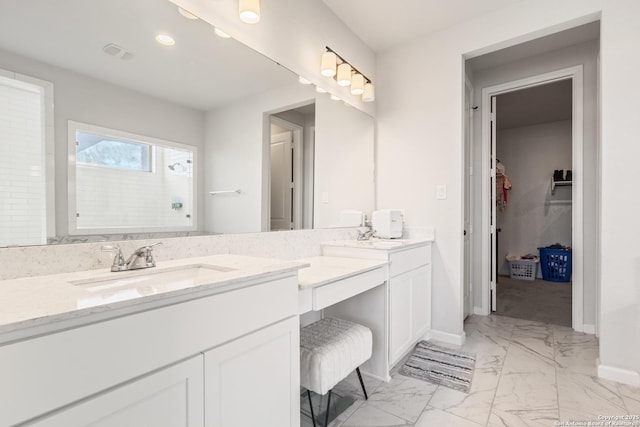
503 185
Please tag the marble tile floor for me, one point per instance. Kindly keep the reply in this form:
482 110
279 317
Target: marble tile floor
527 374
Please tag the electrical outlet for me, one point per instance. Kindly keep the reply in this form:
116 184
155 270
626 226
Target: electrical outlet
441 192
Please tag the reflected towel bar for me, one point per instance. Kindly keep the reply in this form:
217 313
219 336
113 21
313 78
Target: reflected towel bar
213 193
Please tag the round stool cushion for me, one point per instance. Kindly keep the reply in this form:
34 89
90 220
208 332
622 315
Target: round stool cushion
330 349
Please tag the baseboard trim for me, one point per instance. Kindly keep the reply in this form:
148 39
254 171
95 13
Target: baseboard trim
624 376
589 329
446 337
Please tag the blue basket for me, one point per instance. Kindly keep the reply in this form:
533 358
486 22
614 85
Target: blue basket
555 264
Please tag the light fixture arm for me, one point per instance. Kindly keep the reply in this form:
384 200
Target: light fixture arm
354 69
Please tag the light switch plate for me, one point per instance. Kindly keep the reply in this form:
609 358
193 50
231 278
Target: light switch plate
441 192
325 197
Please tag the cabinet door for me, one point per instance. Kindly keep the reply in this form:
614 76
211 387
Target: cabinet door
171 397
409 310
400 318
254 380
420 302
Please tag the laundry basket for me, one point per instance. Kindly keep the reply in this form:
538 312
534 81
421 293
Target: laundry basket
555 264
522 269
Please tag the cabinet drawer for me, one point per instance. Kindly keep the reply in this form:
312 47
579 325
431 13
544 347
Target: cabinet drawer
408 260
324 296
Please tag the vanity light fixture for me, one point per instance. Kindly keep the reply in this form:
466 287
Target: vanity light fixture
357 84
221 33
369 94
346 75
165 39
328 66
249 11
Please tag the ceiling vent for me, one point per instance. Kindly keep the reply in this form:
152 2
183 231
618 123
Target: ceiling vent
117 51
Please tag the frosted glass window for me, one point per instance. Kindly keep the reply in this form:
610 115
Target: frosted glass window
97 150
23 187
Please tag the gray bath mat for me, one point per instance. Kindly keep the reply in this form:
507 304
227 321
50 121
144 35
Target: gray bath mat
441 365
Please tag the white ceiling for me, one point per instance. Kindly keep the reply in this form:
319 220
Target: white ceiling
384 24
201 71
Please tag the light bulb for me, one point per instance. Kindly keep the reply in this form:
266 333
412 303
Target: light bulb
344 74
357 84
328 66
249 11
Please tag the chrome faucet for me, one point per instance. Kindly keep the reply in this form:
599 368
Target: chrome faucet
133 263
364 235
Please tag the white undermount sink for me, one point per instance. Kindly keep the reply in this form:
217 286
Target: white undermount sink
153 280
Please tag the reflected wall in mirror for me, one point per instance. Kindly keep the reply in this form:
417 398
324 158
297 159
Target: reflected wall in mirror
214 94
120 181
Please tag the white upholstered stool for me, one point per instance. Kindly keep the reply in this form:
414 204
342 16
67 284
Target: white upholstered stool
330 349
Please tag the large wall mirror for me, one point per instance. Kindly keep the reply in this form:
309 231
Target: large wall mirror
220 109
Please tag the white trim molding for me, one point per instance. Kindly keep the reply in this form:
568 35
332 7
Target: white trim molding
624 376
576 74
448 338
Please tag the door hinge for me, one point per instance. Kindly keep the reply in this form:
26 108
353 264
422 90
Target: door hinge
493 228
492 172
470 170
493 116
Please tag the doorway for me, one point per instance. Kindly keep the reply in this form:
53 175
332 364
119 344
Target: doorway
490 233
532 203
291 159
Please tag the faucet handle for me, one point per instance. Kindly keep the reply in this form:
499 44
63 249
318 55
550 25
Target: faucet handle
148 252
119 263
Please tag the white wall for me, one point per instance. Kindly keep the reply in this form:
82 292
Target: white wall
344 162
420 127
233 155
620 209
533 216
95 102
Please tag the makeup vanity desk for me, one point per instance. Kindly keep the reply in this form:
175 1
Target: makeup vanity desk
382 284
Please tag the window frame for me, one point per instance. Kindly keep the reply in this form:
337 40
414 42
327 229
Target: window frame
74 230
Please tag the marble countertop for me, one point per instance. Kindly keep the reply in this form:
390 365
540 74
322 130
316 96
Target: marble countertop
389 245
327 269
86 296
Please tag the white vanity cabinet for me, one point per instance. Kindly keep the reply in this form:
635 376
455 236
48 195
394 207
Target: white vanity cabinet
214 358
170 397
409 288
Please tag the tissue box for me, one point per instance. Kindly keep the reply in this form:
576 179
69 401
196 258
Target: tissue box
387 223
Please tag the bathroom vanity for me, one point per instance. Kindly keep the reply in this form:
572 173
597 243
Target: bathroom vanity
408 294
199 336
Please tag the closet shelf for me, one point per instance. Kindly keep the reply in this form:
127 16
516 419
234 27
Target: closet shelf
555 184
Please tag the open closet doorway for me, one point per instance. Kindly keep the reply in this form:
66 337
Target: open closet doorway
569 55
291 158
532 202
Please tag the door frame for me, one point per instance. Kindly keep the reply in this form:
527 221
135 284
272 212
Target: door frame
576 74
468 196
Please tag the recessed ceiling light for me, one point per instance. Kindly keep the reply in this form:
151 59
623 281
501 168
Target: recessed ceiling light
187 14
221 33
165 39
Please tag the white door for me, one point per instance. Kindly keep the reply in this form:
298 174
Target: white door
468 200
494 217
171 397
281 181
